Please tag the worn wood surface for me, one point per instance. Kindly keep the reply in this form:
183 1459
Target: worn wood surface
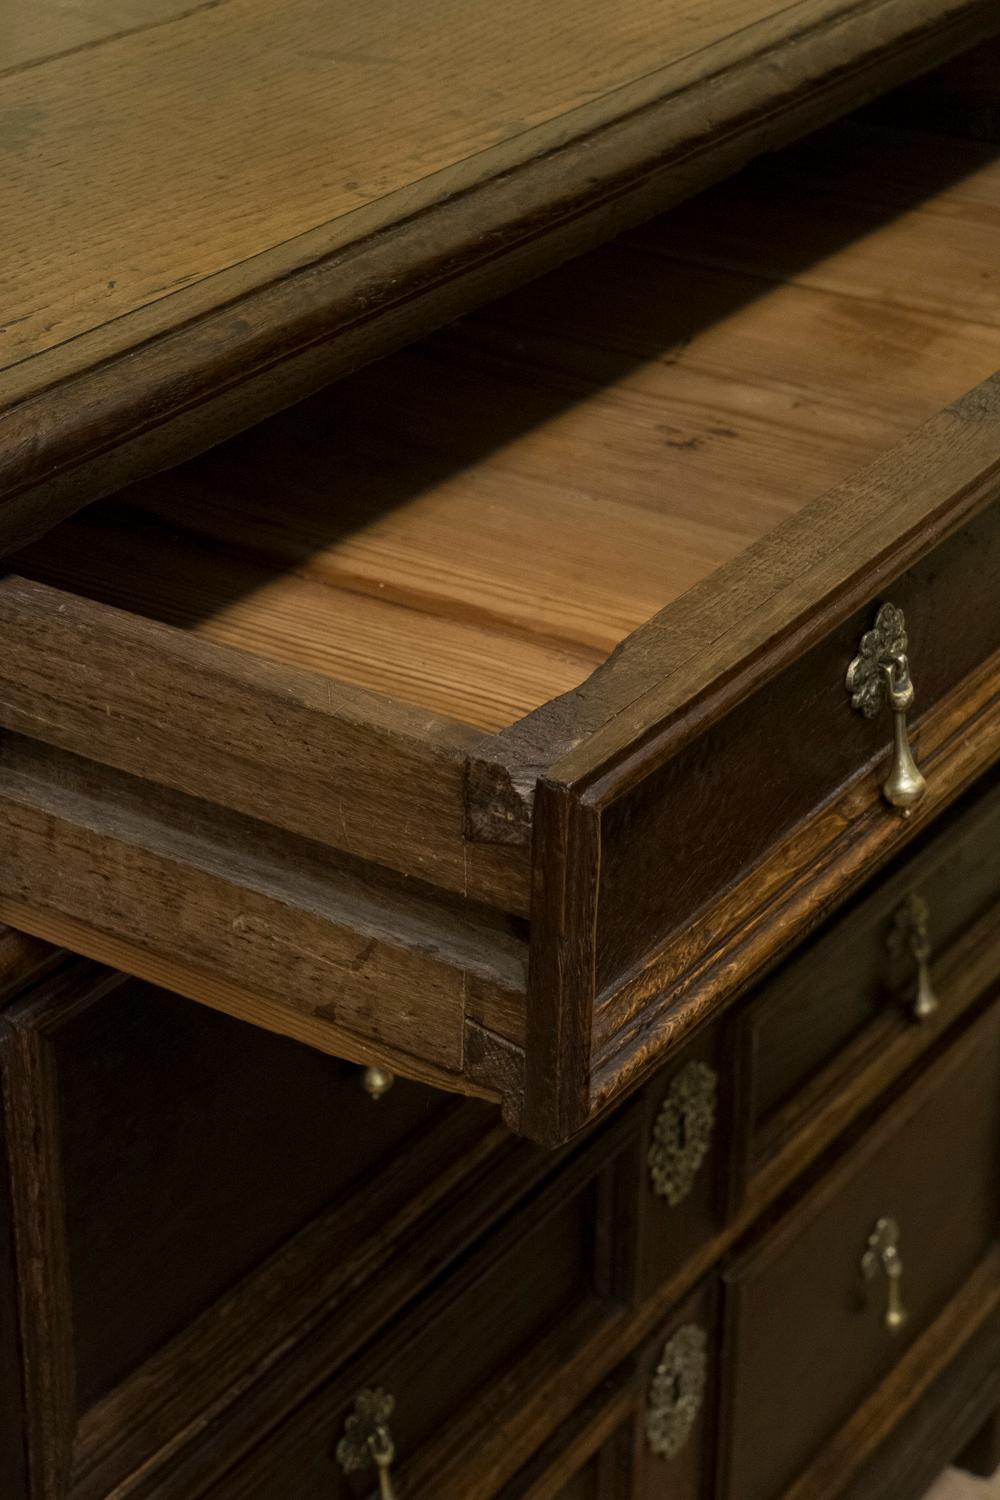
470 527
240 1371
288 747
388 967
191 1410
772 906
298 189
533 1295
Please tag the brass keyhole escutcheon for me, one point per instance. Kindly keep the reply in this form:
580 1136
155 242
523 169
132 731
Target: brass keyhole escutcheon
677 1391
880 674
682 1132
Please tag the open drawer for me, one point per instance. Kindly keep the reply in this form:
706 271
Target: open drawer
486 714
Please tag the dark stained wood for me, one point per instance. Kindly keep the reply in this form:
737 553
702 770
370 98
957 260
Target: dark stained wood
602 1453
726 797
927 1407
174 1121
683 984
264 1186
31 1126
874 1060
982 1455
590 1456
374 231
525 1304
848 978
13 1458
24 959
792 1381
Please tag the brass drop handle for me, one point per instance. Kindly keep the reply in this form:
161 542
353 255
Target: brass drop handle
376 1081
880 673
367 1441
909 935
882 1256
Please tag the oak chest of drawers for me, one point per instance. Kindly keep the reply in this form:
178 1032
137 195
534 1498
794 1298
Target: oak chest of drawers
501 848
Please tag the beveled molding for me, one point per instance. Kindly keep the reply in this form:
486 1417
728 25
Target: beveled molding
774 905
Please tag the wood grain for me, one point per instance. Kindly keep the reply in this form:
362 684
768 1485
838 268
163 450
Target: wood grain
164 870
302 188
472 526
289 747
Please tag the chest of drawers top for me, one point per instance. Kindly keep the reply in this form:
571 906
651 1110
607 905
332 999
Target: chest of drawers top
491 714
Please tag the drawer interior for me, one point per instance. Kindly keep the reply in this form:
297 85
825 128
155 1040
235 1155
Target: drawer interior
471 525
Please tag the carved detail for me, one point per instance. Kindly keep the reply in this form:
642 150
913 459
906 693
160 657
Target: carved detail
883 645
682 1133
677 1391
365 1430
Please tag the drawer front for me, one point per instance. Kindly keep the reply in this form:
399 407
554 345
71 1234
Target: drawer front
688 1123
894 963
513 1315
824 1306
155 1101
777 756
221 1191
649 1431
12 1454
729 791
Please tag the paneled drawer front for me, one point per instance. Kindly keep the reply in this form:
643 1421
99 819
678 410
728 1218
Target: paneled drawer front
725 850
824 1305
649 1430
154 1101
12 1453
894 963
514 1313
687 1113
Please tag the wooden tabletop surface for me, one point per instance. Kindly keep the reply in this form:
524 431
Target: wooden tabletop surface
222 204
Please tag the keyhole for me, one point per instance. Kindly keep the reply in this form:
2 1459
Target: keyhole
682 1131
